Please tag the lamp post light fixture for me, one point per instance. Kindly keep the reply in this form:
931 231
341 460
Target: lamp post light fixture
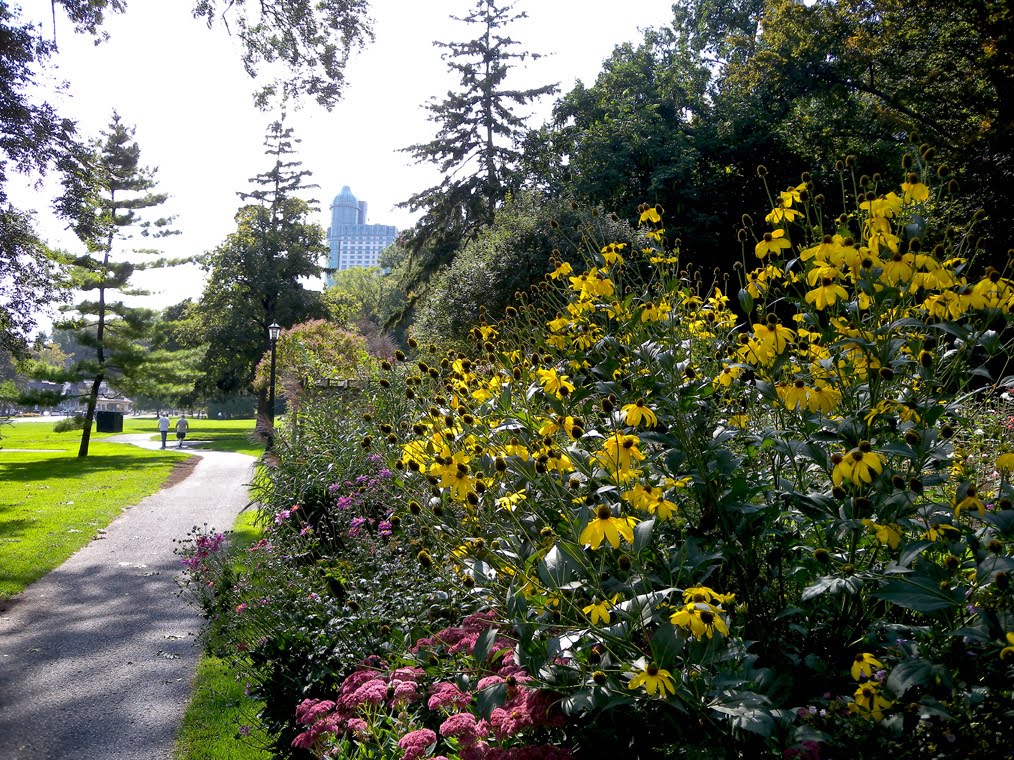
274 330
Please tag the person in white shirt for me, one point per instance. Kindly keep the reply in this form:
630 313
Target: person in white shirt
163 426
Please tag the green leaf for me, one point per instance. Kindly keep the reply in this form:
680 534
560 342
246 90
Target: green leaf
745 301
922 594
490 698
483 643
909 673
554 569
642 534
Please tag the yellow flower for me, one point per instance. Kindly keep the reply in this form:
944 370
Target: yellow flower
653 679
778 215
885 534
915 192
772 243
555 384
599 611
793 395
1008 651
701 619
864 665
706 595
858 466
868 702
941 531
822 398
656 312
562 270
634 414
619 452
970 500
605 526
650 215
1005 462
826 294
510 501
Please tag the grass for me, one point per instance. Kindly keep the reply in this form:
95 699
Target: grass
211 728
52 503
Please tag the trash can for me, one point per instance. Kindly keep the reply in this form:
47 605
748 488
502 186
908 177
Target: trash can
108 422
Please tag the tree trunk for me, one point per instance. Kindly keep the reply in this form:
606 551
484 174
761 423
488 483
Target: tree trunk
86 433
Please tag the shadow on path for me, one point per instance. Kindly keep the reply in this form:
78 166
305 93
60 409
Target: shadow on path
97 659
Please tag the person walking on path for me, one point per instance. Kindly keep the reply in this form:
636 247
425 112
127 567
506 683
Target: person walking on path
163 427
181 429
97 659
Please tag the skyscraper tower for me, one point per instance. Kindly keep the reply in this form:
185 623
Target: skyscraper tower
351 241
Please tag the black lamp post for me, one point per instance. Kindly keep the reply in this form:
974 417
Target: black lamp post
274 330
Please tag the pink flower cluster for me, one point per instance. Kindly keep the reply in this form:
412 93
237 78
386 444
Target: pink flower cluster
462 638
204 546
361 689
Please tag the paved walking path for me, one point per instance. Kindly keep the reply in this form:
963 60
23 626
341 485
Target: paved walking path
97 659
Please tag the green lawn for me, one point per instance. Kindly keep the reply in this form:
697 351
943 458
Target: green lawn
52 503
220 721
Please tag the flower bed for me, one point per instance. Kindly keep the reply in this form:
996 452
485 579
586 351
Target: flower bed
676 531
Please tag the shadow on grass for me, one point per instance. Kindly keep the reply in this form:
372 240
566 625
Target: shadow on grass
59 468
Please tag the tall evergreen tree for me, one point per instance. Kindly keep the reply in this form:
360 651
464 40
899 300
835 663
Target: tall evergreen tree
119 334
255 276
477 143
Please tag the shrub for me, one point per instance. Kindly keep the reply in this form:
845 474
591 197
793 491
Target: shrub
67 424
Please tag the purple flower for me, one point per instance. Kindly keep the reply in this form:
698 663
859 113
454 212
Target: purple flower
384 474
384 528
356 527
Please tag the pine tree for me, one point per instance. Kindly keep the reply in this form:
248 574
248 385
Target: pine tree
477 144
119 334
255 275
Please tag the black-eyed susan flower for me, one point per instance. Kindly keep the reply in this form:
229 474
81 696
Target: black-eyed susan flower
562 270
822 398
885 534
865 665
651 215
653 679
968 498
793 395
868 702
598 611
606 527
701 619
619 453
1005 462
1007 653
771 243
858 466
554 383
638 412
827 293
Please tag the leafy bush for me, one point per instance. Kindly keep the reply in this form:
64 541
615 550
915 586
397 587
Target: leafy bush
67 424
704 536
509 256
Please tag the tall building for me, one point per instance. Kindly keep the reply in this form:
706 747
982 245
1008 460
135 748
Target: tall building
353 242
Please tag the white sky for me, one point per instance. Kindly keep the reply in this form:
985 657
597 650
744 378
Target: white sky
184 88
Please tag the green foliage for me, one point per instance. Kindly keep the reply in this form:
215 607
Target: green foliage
313 40
510 256
254 276
77 422
118 333
475 146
